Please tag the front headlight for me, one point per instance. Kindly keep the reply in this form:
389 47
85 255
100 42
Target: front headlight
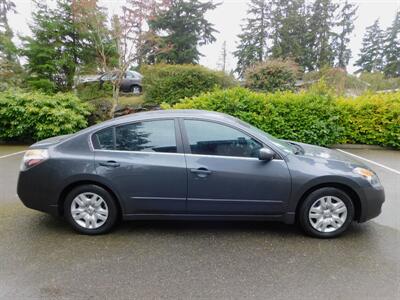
368 175
34 157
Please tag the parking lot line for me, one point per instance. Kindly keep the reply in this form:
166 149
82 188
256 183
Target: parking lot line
12 154
371 161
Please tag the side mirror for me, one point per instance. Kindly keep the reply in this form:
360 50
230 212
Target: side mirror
266 154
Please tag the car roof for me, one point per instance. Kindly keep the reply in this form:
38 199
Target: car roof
163 114
173 113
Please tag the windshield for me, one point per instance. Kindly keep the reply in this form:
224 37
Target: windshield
282 145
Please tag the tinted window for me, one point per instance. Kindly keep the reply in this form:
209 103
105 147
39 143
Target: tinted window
104 139
210 138
149 136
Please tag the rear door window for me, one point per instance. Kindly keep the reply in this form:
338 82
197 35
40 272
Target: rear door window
147 136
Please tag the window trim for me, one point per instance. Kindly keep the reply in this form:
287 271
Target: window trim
178 136
188 151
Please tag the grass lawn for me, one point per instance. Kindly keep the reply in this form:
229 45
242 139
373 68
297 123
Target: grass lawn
130 100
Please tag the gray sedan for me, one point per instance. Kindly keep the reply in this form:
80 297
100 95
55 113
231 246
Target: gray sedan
131 82
188 164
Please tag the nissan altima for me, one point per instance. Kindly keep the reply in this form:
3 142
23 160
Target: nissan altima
197 165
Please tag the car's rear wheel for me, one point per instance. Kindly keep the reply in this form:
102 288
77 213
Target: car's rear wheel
136 89
326 213
90 209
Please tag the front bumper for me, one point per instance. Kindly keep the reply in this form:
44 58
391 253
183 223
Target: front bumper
371 203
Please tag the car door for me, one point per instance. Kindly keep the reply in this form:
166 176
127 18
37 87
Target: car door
225 175
144 162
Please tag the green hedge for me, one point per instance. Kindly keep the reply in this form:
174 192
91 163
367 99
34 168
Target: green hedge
314 117
35 116
170 83
372 119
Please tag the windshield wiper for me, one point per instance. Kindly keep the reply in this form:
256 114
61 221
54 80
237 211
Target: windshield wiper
297 149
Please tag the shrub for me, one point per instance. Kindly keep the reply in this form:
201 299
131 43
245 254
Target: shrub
93 90
170 83
101 110
314 116
27 116
306 117
340 82
373 119
377 81
44 85
272 75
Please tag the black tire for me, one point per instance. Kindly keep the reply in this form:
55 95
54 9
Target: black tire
136 89
109 200
305 207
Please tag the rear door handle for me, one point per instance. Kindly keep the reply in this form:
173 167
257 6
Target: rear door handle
110 164
201 172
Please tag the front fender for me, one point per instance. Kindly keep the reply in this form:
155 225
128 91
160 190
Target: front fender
301 189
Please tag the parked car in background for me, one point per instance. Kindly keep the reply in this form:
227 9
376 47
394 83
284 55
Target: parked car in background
87 78
189 164
131 83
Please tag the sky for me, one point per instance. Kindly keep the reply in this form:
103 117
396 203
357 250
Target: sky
228 17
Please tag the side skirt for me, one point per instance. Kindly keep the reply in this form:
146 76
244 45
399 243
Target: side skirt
287 218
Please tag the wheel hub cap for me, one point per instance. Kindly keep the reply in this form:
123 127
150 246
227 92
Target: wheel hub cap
89 210
327 214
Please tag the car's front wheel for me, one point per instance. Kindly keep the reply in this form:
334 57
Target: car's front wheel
326 213
90 209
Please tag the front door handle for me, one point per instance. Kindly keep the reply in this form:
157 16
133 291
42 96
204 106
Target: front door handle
110 164
201 172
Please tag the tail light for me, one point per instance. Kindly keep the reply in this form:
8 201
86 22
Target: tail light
34 157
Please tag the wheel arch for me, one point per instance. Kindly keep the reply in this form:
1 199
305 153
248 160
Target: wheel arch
68 188
354 196
135 85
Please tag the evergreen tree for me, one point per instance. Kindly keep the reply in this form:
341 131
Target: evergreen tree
346 27
177 29
253 41
289 27
371 56
320 35
57 47
9 63
391 50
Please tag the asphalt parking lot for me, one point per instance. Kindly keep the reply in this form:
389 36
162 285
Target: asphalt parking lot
41 257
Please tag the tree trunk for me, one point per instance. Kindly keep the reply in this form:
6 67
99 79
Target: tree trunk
115 99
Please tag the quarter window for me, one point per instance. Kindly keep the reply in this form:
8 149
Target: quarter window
209 138
104 139
149 136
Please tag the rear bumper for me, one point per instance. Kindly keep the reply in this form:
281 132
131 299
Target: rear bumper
371 203
36 193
